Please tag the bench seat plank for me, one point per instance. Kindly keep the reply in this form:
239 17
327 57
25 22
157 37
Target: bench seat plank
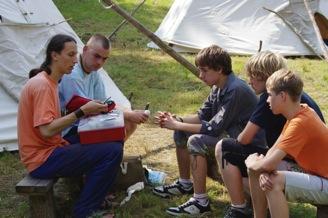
30 185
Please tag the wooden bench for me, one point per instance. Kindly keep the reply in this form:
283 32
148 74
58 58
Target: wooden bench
40 194
41 197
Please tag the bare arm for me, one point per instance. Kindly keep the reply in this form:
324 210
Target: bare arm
187 127
266 163
274 145
249 132
191 119
57 125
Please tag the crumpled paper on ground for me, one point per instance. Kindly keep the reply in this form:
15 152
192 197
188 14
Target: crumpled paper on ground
132 189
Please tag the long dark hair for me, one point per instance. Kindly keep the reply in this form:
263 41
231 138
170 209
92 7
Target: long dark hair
56 44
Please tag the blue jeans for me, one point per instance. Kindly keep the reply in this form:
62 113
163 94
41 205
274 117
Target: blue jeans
99 162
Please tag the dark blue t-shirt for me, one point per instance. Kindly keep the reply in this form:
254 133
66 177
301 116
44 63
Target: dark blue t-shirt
273 124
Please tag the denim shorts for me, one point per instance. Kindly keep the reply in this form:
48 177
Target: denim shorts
305 188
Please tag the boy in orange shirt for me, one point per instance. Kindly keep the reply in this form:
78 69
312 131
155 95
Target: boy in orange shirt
308 148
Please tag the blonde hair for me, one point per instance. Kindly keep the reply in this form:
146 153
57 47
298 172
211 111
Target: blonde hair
286 81
263 64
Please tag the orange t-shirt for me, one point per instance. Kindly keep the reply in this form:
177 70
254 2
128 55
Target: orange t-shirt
38 105
305 138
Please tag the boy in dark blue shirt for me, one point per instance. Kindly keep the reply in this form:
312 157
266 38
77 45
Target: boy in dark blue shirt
231 153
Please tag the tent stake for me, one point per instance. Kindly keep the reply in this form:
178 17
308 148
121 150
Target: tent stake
152 37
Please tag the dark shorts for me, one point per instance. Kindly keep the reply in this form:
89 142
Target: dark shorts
235 153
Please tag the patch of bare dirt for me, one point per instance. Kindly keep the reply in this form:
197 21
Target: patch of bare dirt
156 147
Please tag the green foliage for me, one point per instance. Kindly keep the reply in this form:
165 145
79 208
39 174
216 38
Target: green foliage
9 159
11 171
89 17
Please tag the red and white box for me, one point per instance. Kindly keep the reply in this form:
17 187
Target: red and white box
102 128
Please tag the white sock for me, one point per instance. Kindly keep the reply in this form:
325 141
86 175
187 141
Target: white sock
239 206
186 183
202 198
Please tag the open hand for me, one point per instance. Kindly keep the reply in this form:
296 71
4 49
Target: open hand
265 182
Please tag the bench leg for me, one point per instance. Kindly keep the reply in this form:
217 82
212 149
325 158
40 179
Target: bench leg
322 211
42 205
74 187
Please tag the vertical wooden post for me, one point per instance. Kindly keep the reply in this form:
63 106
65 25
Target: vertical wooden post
42 205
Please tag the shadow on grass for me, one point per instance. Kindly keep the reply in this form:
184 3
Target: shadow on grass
158 150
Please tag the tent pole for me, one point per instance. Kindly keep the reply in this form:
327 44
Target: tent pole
295 31
316 29
152 37
124 21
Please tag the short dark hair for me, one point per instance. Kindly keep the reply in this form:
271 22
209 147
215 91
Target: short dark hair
103 40
56 44
215 58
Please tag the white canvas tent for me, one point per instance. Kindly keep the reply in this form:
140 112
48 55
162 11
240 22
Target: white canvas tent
239 25
25 28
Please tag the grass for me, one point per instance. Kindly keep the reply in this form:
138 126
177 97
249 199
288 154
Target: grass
156 78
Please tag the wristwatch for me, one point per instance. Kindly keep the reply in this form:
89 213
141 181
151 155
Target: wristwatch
79 113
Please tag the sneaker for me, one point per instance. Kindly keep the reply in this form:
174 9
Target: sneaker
233 212
190 208
175 188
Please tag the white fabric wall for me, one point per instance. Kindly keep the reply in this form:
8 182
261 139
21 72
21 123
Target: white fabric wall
23 39
236 25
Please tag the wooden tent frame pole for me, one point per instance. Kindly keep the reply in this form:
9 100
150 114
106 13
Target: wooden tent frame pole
124 21
152 37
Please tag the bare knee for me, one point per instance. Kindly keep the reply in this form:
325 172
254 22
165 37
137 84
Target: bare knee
252 173
278 181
